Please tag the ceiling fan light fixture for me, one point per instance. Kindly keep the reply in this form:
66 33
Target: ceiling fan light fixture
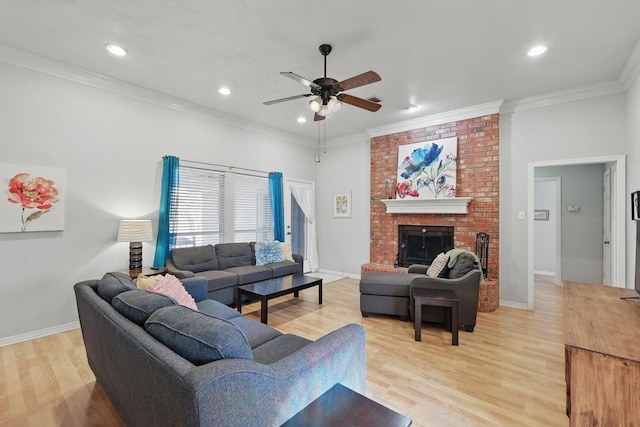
334 105
324 111
316 104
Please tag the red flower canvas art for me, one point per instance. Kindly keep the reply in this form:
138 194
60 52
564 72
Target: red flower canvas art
37 193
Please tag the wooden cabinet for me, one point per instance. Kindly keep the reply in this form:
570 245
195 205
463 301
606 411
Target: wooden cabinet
602 351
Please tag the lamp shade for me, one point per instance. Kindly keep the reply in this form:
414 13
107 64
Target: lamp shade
135 230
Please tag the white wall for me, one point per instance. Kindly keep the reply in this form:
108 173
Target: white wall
344 242
545 231
587 128
111 147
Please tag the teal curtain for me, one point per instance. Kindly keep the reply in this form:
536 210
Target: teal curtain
277 204
166 240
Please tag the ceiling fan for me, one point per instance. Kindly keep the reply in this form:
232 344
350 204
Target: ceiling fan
328 92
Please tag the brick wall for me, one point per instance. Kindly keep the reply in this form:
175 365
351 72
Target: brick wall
478 177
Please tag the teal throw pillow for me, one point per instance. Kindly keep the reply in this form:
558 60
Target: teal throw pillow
268 253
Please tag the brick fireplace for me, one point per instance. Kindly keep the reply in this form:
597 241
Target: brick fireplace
477 177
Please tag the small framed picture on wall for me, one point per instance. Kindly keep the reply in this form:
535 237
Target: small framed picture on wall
635 206
342 205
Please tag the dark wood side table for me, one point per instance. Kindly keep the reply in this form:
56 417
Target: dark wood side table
440 298
341 406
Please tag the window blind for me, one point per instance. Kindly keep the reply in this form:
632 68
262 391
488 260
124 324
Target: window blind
197 209
252 209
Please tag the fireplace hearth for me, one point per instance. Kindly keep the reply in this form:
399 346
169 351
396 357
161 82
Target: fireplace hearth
420 244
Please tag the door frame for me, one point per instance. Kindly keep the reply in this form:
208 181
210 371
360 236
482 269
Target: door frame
618 250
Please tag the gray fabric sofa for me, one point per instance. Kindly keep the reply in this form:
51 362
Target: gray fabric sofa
392 293
162 364
227 265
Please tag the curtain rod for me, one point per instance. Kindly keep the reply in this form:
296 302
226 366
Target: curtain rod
223 166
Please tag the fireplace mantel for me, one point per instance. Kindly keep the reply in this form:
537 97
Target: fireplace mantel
455 205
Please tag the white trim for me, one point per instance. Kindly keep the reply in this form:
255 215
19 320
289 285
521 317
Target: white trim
14 339
454 205
631 68
545 273
618 264
437 119
566 95
513 304
31 61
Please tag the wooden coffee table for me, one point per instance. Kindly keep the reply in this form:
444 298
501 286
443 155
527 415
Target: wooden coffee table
341 406
273 288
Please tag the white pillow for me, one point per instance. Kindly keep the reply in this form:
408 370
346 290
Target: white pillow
438 265
286 251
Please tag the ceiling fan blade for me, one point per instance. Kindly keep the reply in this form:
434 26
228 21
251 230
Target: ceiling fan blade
317 117
360 80
300 79
359 102
289 98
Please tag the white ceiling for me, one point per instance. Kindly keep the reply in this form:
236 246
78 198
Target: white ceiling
441 55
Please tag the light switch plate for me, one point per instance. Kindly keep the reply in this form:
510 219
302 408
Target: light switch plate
521 215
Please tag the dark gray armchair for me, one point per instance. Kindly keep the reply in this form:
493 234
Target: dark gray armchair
466 287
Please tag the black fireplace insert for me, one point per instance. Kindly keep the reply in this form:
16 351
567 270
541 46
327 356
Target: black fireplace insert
420 244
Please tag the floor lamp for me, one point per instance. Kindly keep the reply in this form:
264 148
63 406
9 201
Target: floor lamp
135 231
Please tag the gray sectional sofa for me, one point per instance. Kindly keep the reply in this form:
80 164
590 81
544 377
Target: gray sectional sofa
162 364
227 265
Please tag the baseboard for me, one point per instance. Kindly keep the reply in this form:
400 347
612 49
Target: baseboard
14 339
339 273
545 273
513 304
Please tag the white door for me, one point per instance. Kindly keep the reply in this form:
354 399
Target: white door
299 212
607 236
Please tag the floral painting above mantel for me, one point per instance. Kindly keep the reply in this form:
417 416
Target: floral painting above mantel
33 198
427 170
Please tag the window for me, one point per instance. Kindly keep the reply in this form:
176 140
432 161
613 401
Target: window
197 208
252 209
198 214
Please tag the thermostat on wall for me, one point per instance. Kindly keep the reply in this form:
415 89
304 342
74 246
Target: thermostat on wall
573 208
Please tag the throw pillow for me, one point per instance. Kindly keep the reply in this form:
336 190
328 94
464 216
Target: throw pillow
286 251
143 282
196 336
137 306
464 264
113 283
438 265
268 253
171 287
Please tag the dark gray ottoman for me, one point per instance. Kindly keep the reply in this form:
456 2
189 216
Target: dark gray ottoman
386 293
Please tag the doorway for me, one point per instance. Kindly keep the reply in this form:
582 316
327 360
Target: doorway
617 242
548 228
299 220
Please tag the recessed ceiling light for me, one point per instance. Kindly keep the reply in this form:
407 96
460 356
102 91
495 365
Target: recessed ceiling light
116 50
302 120
224 91
537 50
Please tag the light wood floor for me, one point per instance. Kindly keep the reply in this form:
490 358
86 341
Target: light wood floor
508 372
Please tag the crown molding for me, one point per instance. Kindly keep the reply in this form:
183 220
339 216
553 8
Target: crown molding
569 95
631 68
437 119
34 62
